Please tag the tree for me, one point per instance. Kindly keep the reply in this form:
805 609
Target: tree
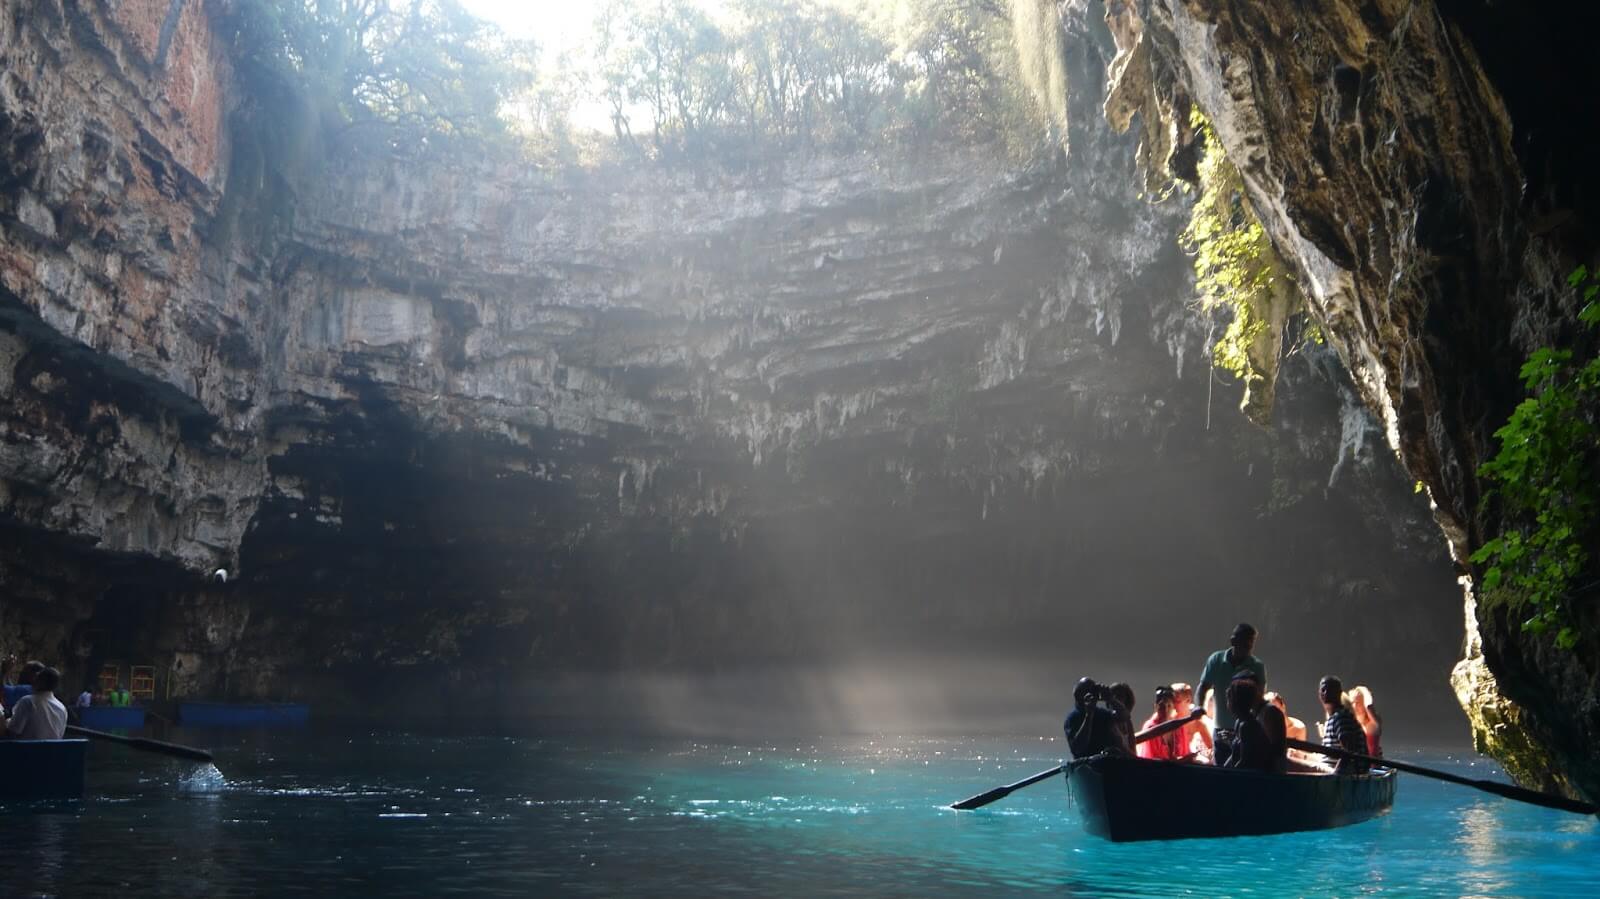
423 68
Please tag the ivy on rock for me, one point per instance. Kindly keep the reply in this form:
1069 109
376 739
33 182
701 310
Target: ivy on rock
1544 477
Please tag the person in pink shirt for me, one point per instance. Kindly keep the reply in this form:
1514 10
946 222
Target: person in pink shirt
1196 734
1368 718
1168 746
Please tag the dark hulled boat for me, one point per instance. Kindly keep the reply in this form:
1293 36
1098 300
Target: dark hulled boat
42 769
1124 799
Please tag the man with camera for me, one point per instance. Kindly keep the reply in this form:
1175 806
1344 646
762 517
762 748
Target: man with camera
1098 722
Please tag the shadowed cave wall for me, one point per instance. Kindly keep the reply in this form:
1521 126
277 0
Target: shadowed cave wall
601 443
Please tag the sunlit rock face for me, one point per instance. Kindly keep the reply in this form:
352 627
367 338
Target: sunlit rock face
459 421
1414 162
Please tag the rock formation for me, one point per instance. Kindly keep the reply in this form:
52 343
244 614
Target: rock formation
447 413
1402 159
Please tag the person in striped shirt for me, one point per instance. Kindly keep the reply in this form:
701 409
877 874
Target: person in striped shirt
1341 730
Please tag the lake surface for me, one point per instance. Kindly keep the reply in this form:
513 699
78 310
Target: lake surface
337 810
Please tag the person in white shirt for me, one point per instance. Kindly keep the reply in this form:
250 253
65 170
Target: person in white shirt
40 715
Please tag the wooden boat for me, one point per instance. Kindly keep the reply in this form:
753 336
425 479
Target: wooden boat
1125 799
243 714
108 717
42 769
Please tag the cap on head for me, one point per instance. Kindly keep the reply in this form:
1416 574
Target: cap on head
1242 633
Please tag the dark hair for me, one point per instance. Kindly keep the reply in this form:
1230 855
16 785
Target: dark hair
1122 693
1331 679
1242 695
29 672
1165 694
47 679
1241 633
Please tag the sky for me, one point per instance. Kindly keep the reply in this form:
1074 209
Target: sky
556 26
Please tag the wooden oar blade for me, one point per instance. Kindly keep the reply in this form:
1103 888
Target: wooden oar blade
1559 803
1532 797
982 799
148 745
173 749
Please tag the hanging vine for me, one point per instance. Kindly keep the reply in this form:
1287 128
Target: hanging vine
1239 272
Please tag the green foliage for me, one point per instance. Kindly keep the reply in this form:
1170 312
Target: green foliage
775 76
1544 476
1237 269
758 80
424 69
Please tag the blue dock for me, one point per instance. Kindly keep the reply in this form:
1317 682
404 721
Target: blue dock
107 717
243 714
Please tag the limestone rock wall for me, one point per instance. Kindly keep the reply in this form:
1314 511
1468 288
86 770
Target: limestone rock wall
1385 163
446 410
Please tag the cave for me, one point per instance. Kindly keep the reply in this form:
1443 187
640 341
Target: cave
830 435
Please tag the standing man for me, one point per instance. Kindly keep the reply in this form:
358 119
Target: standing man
1226 664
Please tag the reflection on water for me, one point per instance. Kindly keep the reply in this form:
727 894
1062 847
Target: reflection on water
331 812
1480 845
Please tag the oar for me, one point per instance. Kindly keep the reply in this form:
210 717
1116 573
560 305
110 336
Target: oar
172 749
1560 803
999 793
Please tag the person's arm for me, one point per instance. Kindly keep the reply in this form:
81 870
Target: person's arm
1263 672
19 717
1077 727
1203 685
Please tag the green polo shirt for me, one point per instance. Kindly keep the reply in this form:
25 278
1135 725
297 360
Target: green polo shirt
1220 673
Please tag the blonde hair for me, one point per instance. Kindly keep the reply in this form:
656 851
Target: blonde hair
1361 691
1181 690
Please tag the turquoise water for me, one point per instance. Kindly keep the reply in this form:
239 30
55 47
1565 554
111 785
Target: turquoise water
331 811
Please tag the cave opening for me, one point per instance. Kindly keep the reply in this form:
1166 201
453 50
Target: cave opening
609 397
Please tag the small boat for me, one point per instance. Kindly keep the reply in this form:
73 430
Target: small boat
1125 799
110 717
243 714
42 769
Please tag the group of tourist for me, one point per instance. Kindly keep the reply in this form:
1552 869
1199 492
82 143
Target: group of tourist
31 708
1246 728
117 697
